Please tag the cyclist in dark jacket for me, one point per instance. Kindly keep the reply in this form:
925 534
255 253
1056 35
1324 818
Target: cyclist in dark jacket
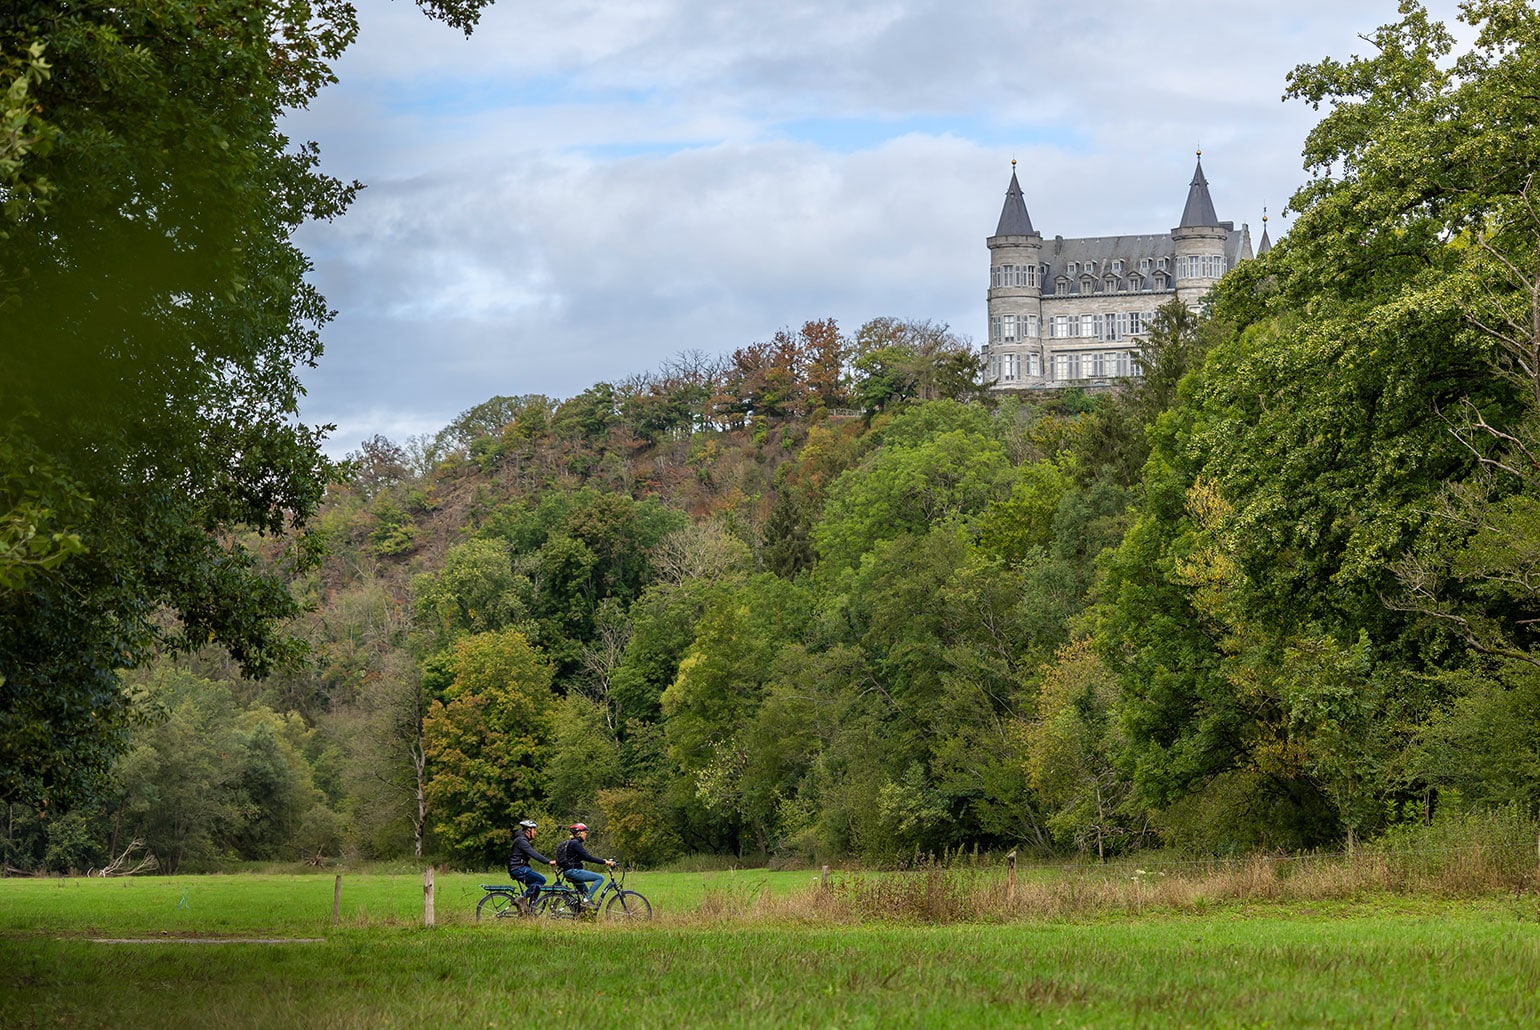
572 853
522 857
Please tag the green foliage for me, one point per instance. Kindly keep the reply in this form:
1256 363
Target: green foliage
488 743
1070 749
585 758
907 489
476 591
165 311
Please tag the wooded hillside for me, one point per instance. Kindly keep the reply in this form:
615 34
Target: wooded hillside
826 597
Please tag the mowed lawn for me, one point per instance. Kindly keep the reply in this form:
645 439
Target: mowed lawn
708 960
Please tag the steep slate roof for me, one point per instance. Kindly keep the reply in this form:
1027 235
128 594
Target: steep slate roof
1266 244
1200 206
1103 250
1014 220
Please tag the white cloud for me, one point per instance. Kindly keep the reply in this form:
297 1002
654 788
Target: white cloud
583 190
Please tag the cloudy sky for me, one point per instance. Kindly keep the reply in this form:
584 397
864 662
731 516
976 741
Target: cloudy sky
584 190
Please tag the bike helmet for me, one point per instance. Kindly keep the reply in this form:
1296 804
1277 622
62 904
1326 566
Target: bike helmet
529 824
578 827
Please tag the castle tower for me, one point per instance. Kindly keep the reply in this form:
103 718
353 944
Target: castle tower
1199 242
1015 292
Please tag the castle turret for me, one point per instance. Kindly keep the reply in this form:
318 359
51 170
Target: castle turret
1015 291
1266 244
1199 241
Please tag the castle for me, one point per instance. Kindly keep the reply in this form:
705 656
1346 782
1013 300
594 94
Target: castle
1074 311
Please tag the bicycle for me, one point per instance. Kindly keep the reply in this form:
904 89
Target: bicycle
620 903
564 899
501 901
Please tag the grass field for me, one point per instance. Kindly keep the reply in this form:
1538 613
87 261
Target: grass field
753 948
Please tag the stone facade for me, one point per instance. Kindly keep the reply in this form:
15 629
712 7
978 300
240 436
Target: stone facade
1073 312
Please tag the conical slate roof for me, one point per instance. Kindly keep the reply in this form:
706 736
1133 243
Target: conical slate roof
1200 206
1266 244
1014 220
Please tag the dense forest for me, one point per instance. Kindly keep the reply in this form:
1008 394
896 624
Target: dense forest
830 597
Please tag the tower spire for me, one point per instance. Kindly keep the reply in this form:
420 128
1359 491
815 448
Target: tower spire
1200 206
1014 220
1266 244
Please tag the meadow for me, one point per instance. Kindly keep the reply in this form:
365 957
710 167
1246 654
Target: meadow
1258 943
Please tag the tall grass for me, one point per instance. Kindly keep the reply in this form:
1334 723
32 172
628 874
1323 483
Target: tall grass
1461 856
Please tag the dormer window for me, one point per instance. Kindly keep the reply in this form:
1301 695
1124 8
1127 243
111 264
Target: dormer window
1061 284
1134 285
1110 284
1087 285
1117 267
1160 281
1144 266
1090 268
1161 264
1072 269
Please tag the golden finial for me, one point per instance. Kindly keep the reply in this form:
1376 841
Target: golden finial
1013 164
1264 214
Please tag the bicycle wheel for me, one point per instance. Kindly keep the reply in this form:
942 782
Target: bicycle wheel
497 904
628 905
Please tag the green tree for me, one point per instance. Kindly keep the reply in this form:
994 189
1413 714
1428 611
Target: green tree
1070 749
908 488
156 312
488 743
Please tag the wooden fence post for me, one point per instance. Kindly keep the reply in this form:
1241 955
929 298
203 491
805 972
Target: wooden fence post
427 897
337 900
1010 877
823 879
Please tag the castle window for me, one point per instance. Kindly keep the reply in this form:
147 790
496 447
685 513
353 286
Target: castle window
1161 264
1058 329
1133 284
1109 285
1135 323
1009 328
1072 268
1066 367
994 327
1090 268
1061 284
1088 285
1034 364
1160 281
1144 266
1098 365
1030 326
1088 325
1117 267
1120 363
1011 366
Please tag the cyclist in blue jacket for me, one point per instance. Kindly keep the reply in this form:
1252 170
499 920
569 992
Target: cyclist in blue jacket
522 857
